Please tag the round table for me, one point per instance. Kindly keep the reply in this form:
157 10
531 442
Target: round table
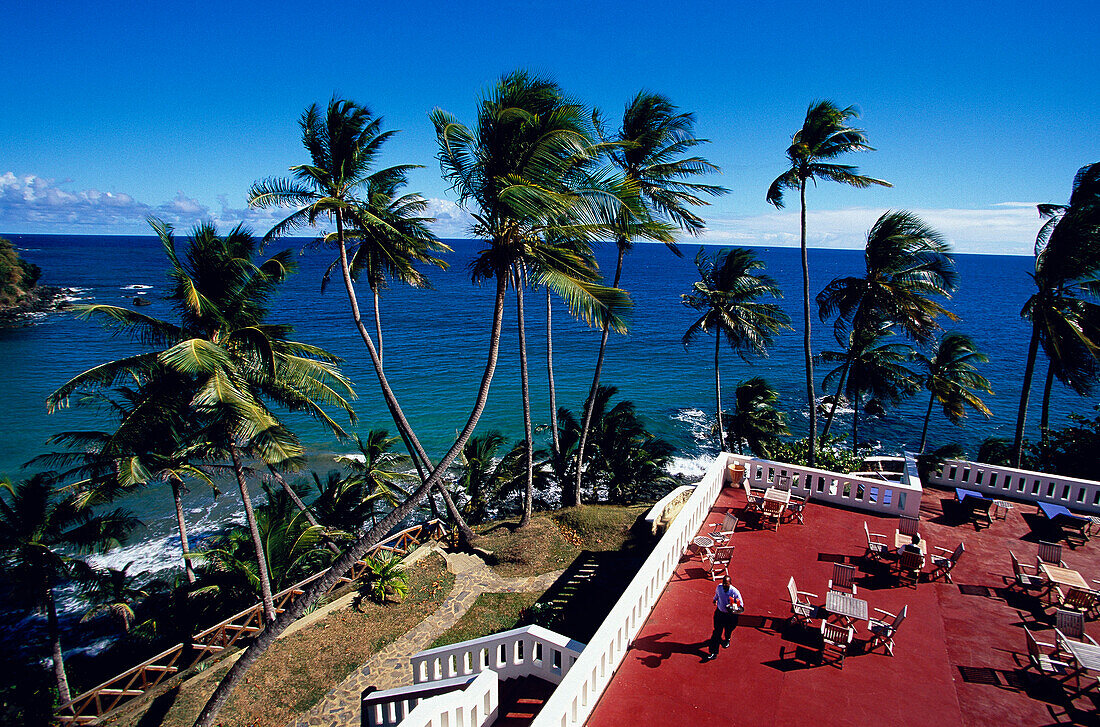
703 541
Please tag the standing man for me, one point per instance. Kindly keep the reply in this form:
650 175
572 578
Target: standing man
728 604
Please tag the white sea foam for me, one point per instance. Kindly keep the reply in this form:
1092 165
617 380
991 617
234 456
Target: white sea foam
75 295
137 286
690 468
698 422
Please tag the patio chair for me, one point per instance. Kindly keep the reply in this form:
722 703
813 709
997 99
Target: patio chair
908 567
771 511
979 511
802 609
754 497
715 568
722 531
1042 658
723 554
796 508
1033 581
877 549
844 578
1071 624
835 640
1050 553
783 482
908 525
1094 612
1075 599
884 629
944 564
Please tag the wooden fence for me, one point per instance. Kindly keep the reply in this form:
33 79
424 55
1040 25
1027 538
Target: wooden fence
89 707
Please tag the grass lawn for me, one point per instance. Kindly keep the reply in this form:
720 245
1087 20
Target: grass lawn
490 614
553 540
304 666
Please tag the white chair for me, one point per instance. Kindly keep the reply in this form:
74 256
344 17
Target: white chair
771 511
944 564
722 531
802 608
796 509
835 640
908 525
715 568
884 629
877 547
1051 554
1027 581
844 578
754 497
1043 658
1071 624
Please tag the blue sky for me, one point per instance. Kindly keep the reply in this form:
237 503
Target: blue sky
111 112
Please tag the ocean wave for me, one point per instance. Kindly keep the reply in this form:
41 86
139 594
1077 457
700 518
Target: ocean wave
75 295
698 422
137 286
691 468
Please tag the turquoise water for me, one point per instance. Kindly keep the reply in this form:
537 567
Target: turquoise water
435 343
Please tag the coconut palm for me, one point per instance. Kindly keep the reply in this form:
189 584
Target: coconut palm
111 592
510 169
1064 314
908 265
952 379
233 362
755 418
376 473
385 576
824 135
876 367
650 151
730 296
38 527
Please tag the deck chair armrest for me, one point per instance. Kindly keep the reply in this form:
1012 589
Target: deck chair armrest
810 595
877 535
1043 643
949 551
1090 640
886 613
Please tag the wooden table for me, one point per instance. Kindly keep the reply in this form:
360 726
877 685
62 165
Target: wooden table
1001 508
846 606
703 541
1087 655
901 539
776 495
1063 576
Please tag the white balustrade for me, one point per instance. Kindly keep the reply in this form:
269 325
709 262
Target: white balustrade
525 651
472 706
1008 483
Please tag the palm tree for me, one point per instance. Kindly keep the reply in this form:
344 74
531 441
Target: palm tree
376 473
824 135
755 418
37 527
480 474
649 151
1064 314
377 233
729 295
875 367
953 380
511 169
907 264
232 361
111 592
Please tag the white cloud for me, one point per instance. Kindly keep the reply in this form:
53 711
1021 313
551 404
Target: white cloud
451 221
1005 228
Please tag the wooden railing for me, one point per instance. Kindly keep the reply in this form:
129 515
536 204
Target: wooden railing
97 702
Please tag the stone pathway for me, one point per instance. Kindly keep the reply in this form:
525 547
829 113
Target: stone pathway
390 667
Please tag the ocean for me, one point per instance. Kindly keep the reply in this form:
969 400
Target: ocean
435 343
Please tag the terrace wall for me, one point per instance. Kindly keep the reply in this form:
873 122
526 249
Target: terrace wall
1009 483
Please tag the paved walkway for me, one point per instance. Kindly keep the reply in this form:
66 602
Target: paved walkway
390 667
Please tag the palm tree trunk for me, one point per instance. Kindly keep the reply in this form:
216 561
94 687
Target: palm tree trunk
855 425
257 542
810 398
466 534
188 569
528 493
301 506
1021 416
1044 420
590 403
718 393
58 655
555 440
378 325
356 550
836 397
927 416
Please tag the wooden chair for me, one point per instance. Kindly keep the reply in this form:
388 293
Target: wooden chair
835 640
1075 599
884 629
944 564
796 509
802 608
1050 553
1071 624
1042 658
908 567
723 554
1033 581
715 568
754 497
877 549
771 511
783 482
979 511
844 578
908 525
722 531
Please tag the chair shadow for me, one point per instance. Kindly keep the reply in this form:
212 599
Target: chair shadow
659 650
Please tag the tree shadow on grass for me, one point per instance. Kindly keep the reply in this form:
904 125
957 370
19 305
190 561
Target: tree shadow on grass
158 710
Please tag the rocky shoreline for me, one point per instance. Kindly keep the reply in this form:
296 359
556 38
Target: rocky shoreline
40 299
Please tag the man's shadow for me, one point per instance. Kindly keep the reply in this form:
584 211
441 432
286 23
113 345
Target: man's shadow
659 650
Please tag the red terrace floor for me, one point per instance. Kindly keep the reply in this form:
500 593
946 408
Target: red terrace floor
770 675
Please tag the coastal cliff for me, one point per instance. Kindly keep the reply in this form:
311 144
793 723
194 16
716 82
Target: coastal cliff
20 294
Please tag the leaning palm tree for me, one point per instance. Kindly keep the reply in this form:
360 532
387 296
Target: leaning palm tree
1064 314
510 168
952 379
650 151
233 364
377 233
755 418
38 530
876 367
377 472
824 135
730 295
908 266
